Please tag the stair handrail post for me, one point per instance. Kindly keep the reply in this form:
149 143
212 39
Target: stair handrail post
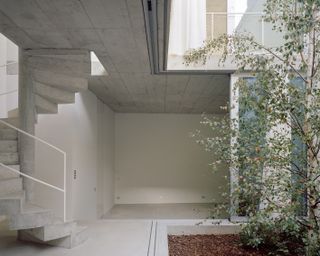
64 186
64 154
8 92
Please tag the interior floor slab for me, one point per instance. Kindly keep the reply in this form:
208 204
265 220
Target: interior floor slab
105 237
160 211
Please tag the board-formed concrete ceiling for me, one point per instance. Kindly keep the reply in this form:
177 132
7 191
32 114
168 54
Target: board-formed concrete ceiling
115 30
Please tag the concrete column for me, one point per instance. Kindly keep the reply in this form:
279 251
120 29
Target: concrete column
278 177
277 193
3 77
234 172
27 123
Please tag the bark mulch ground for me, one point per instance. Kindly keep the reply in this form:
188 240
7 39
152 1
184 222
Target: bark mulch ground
209 245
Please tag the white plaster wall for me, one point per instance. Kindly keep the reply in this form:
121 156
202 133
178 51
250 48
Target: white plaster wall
83 131
12 80
8 54
121 158
158 162
3 77
106 168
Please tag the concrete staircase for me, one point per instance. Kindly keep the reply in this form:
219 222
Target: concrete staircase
56 76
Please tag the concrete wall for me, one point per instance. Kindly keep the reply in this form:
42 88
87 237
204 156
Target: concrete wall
106 157
3 77
158 162
121 158
85 131
8 79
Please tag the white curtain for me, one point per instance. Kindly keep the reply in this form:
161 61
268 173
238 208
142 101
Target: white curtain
187 25
239 7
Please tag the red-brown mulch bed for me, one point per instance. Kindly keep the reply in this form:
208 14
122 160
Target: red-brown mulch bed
209 245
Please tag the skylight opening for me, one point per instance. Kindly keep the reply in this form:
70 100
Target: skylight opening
192 22
9 77
97 69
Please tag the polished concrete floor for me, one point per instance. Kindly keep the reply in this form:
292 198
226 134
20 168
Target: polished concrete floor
126 231
120 238
105 237
159 211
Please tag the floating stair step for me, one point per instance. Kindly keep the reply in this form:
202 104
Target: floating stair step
62 64
32 216
44 106
77 237
12 121
52 231
13 195
8 134
8 146
29 208
11 204
57 52
13 113
12 68
5 173
9 158
53 94
10 185
65 82
78 58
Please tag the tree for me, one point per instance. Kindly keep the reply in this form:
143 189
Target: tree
276 151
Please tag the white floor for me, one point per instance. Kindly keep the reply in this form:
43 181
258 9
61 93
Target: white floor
106 238
127 230
160 211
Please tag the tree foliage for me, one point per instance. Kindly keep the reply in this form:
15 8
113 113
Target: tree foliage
276 139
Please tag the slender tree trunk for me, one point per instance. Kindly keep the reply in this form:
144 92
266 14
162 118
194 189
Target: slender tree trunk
312 157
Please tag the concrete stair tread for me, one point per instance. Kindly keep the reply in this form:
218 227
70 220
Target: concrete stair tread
56 52
14 166
13 113
54 94
69 239
10 179
33 218
11 203
44 106
58 221
8 134
8 146
53 231
73 57
8 141
10 185
11 158
62 64
13 121
80 229
13 195
62 81
78 236
7 174
29 208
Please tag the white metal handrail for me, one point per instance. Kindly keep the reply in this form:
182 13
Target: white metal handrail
234 14
9 92
63 190
31 178
9 64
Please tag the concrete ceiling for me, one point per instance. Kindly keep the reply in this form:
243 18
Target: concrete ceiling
115 30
